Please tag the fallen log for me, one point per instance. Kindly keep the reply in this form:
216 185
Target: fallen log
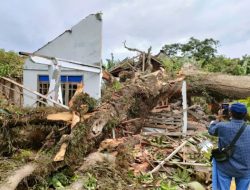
13 180
24 117
28 128
131 101
231 86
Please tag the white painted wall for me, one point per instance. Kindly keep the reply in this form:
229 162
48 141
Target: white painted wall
83 44
91 83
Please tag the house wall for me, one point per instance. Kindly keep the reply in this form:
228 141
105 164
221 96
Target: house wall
83 43
92 83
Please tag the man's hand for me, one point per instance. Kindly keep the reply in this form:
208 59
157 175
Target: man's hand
220 115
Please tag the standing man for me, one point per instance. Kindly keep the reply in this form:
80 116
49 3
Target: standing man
238 165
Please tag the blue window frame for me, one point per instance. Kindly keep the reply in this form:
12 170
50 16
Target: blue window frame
43 78
68 84
64 78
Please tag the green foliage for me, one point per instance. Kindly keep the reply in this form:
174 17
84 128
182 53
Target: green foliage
181 176
166 186
11 64
56 183
203 54
84 99
60 179
172 64
225 65
90 183
116 86
201 50
112 123
134 110
131 174
23 155
110 62
145 178
160 141
172 50
246 64
247 103
206 156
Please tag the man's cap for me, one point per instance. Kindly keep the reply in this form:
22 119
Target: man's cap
238 108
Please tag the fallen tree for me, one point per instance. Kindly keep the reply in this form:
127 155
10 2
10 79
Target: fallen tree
231 86
134 99
64 139
81 132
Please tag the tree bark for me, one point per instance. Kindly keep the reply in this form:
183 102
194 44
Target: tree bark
135 99
231 86
18 175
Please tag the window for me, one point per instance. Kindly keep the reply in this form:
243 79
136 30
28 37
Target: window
68 85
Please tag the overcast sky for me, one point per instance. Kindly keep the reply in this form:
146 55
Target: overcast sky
26 25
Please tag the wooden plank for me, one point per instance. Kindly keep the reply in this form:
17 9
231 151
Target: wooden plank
157 125
184 104
172 129
166 122
172 134
35 92
168 158
162 126
61 116
166 125
61 153
165 118
21 94
168 114
190 164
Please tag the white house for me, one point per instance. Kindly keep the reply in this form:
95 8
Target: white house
82 44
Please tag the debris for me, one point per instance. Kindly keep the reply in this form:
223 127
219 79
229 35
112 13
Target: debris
168 158
62 116
195 185
36 93
144 115
206 145
60 155
189 164
97 158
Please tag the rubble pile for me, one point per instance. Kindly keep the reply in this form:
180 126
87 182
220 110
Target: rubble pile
137 155
143 153
132 139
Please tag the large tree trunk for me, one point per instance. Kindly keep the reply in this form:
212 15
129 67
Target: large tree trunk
218 84
135 99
